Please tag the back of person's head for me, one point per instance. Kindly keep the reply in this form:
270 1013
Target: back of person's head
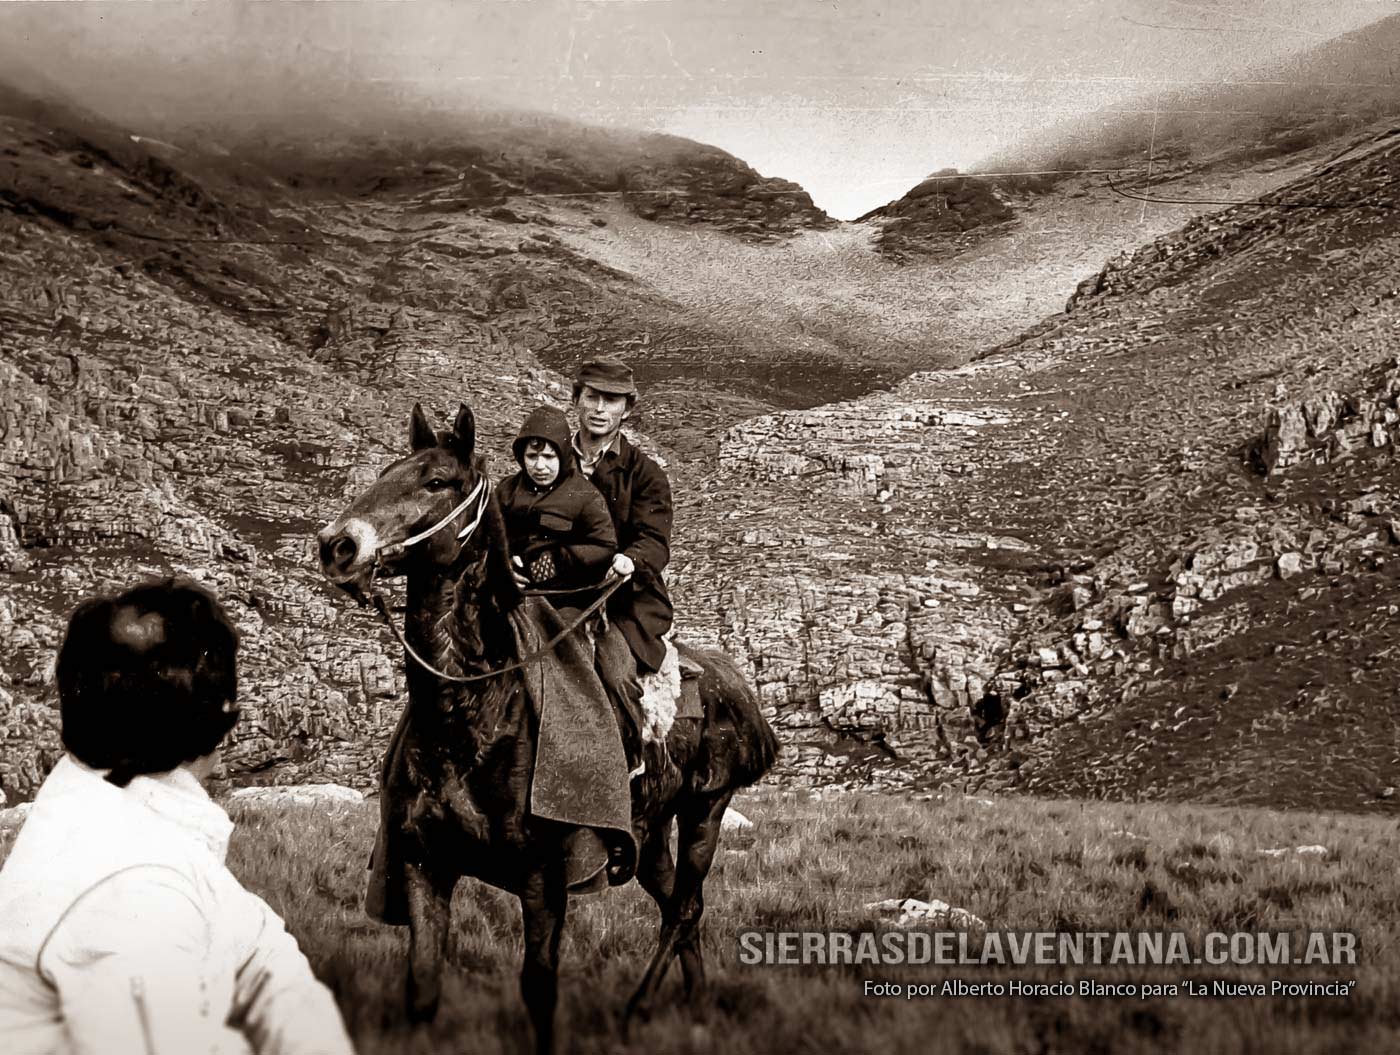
147 679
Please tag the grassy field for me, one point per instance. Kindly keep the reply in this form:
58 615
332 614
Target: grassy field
813 863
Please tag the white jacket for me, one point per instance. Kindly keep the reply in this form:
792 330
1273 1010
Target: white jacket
121 931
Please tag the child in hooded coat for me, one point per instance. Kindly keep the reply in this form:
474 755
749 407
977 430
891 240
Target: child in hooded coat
560 531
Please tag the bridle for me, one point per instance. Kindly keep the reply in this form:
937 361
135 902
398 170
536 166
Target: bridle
396 549
481 496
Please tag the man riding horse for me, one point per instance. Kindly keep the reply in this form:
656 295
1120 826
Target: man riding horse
500 767
638 496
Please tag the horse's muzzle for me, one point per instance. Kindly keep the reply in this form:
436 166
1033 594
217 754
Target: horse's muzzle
346 551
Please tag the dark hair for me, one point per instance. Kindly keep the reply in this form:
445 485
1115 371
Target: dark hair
147 679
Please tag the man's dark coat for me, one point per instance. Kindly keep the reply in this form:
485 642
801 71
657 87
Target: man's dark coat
639 498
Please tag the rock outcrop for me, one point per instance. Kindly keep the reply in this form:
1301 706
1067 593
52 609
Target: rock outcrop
1329 425
709 187
944 214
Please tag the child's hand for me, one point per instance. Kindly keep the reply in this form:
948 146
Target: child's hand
542 567
622 566
520 579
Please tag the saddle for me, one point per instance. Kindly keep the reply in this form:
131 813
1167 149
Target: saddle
671 692
661 696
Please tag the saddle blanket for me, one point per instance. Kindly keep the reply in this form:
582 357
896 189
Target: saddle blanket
669 693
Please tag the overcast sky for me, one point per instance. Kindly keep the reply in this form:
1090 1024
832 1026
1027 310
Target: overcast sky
856 100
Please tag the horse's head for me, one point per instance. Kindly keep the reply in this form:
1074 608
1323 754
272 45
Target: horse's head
426 507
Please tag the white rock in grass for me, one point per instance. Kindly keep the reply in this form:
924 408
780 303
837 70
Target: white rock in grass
1222 844
734 820
910 912
1311 851
297 794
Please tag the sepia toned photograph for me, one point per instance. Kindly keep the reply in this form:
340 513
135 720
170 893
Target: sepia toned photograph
699 527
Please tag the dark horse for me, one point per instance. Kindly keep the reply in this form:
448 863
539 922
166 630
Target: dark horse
456 795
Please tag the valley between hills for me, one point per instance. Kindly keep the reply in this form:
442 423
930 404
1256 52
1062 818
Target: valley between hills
1078 494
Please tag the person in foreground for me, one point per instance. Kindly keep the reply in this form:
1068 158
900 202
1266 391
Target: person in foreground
121 929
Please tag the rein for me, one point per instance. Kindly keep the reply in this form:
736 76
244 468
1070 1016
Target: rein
383 610
398 548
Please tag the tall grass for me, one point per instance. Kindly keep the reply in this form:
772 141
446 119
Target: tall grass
814 864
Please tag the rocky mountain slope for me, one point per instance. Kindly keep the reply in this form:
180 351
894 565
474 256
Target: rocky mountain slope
195 354
1143 550
202 356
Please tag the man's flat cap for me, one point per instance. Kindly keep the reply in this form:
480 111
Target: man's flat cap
607 375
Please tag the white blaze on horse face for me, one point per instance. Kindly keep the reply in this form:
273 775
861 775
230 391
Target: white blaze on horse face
363 535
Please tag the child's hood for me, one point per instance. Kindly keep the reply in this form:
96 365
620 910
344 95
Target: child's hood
547 423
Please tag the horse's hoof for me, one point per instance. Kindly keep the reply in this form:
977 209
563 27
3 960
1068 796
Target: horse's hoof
637 1011
421 1012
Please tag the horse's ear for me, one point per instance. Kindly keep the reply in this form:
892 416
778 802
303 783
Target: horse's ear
464 429
420 433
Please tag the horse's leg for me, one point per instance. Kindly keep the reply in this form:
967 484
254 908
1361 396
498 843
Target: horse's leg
699 835
680 913
543 906
429 913
656 872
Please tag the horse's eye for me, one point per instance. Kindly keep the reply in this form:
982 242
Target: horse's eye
436 484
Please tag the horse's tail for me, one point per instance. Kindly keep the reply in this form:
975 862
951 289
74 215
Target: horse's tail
754 749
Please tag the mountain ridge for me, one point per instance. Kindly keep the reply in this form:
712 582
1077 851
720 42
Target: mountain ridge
198 373
1326 92
1192 139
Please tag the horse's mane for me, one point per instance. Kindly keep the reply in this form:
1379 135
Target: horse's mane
500 583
